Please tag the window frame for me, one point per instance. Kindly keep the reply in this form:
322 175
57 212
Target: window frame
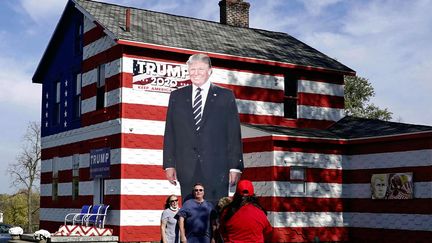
294 180
290 96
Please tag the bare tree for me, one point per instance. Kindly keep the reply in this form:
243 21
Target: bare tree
25 171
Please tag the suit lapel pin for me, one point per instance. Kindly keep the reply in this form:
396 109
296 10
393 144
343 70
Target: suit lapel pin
215 95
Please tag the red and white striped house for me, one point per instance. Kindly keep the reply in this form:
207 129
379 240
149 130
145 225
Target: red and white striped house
107 73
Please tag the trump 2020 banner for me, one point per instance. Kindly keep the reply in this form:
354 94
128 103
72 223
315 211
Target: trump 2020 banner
159 76
100 161
392 186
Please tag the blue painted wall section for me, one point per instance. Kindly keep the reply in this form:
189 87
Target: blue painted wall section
62 66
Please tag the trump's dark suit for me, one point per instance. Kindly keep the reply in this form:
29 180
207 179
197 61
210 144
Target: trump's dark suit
208 155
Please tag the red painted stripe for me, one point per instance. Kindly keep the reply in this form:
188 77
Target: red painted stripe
117 171
278 173
93 35
141 141
144 112
388 235
137 233
88 91
274 204
101 115
321 100
137 202
111 83
255 93
82 147
281 121
366 205
360 205
310 234
230 57
65 202
133 171
262 144
302 204
390 144
315 146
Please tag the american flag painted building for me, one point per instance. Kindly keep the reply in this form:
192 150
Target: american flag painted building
106 76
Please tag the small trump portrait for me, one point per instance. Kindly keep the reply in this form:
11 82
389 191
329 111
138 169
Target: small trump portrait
379 185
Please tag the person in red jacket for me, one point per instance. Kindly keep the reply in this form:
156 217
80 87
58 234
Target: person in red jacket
244 220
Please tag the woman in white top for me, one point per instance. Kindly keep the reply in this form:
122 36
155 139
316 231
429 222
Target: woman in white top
169 227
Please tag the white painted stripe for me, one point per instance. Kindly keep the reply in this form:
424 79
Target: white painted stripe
46 165
88 105
137 217
262 189
260 107
389 221
81 134
141 156
137 126
88 24
306 219
46 190
330 190
224 76
334 161
140 187
319 113
388 160
129 156
286 158
89 77
133 96
347 219
111 69
314 87
114 217
98 46
65 189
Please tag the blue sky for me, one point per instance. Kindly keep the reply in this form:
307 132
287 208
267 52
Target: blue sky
385 41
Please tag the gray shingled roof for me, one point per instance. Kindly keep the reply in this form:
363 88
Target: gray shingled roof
207 36
349 128
352 127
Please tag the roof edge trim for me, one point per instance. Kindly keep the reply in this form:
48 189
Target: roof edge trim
349 140
91 17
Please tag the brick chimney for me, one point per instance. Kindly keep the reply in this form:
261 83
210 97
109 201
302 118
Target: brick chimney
234 12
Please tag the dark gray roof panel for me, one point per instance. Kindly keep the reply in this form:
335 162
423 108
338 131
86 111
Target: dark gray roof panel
353 127
348 128
295 132
207 36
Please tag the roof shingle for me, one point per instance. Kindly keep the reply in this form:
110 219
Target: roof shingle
207 36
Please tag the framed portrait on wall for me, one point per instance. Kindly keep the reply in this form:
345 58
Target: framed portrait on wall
392 186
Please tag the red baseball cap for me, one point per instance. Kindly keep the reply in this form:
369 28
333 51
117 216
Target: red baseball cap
245 187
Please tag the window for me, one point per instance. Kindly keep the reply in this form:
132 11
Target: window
298 180
77 97
100 97
290 96
78 43
56 116
54 192
75 176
